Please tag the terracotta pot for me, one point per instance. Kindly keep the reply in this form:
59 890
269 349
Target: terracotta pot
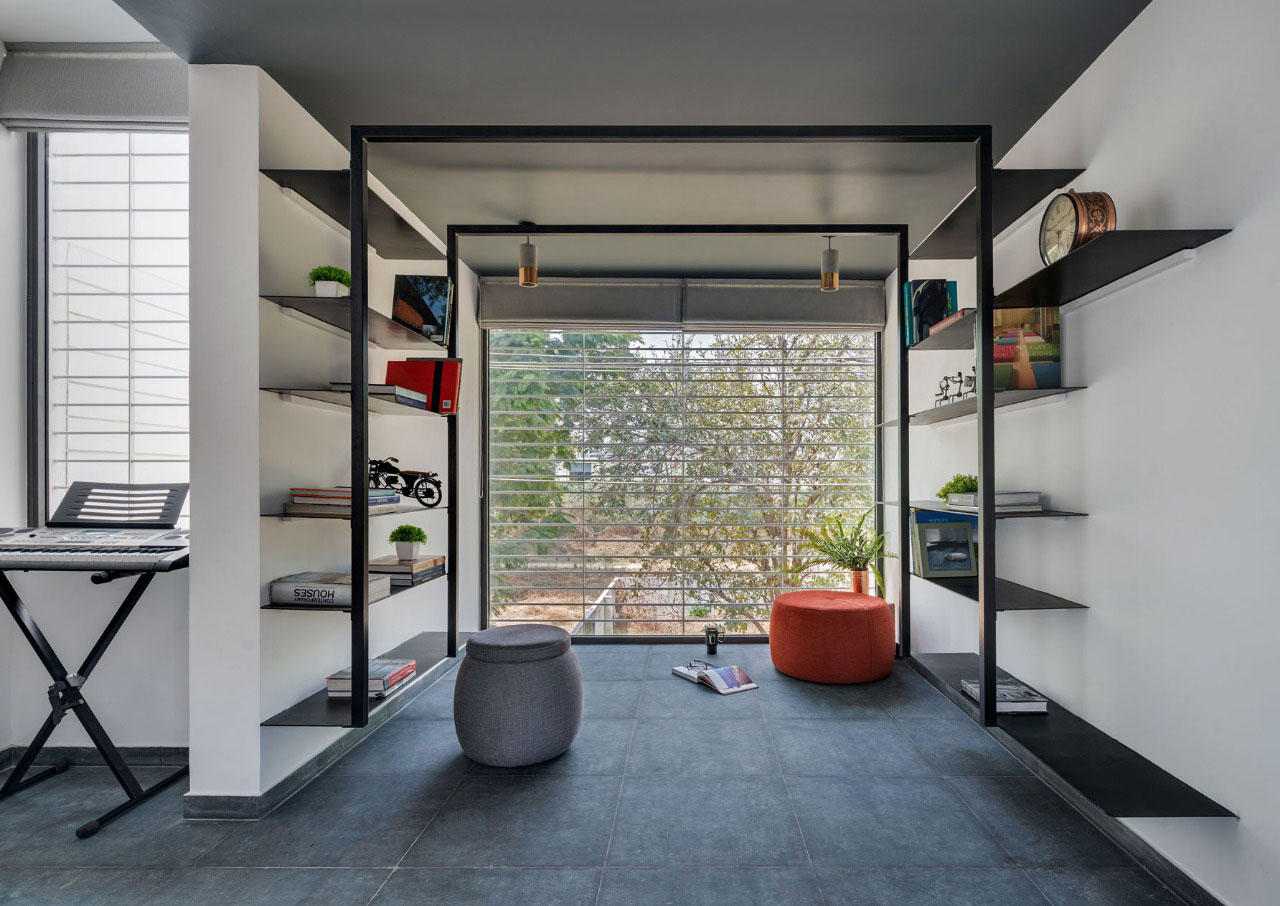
860 581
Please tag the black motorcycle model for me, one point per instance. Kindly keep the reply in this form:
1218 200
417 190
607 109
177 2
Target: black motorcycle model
423 487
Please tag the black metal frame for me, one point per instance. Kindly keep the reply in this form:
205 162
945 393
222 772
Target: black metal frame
65 695
978 135
37 211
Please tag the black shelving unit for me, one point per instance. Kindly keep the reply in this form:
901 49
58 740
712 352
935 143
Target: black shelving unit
330 191
1009 595
396 511
336 313
966 407
380 404
315 608
940 506
956 335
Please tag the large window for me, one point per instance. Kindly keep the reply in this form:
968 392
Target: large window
117 308
647 483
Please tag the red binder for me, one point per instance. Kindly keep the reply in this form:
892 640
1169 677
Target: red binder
439 379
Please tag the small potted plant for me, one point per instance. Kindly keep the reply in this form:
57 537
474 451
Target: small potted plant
856 549
959 484
408 540
330 280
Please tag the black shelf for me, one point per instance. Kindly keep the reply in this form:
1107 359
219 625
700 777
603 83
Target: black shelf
938 506
320 609
330 191
1104 771
1009 595
1013 192
336 312
956 335
1110 257
383 405
398 511
961 408
318 710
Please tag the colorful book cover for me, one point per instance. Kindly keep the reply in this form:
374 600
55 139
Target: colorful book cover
928 303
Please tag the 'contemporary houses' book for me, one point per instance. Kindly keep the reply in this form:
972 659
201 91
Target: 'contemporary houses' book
1012 697
324 589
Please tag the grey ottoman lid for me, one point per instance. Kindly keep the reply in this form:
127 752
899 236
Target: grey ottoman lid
518 644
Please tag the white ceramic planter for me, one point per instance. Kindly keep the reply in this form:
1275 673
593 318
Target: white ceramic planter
408 550
331 288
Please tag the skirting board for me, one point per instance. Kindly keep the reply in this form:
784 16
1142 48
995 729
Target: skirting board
1146 855
250 807
134 756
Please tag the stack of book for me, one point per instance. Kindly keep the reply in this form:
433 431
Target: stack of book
402 395
1012 696
336 501
386 675
407 573
1006 502
324 589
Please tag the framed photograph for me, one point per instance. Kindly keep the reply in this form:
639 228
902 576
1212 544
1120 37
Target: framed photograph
945 550
424 305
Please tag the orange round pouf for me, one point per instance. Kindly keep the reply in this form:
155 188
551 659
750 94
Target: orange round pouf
831 636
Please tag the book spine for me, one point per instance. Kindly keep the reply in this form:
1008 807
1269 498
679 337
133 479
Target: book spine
323 595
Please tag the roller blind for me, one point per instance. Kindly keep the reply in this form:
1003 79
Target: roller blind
714 304
77 87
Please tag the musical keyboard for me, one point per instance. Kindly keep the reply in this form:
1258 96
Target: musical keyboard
95 549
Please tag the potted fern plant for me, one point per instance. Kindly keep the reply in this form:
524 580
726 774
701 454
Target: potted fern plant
855 548
330 280
408 540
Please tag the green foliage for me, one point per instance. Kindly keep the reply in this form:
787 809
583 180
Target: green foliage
330 272
856 548
959 484
407 533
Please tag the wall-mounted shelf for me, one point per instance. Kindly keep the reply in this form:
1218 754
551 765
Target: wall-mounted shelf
956 335
1013 193
1110 257
1009 595
320 609
336 313
1109 775
962 408
378 403
318 710
330 191
938 506
395 511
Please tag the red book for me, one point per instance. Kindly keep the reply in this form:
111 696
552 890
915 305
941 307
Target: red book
949 320
437 379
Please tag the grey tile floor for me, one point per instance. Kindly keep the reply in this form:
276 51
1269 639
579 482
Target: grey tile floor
794 794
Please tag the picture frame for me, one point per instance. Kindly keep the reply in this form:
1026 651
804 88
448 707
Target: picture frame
944 550
424 304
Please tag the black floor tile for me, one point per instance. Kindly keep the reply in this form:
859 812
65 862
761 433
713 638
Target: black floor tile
707 748
679 699
352 820
961 747
784 696
616 700
667 821
847 748
694 885
612 662
273 886
490 887
435 703
1102 887
494 821
601 748
905 693
426 750
99 886
890 822
928 887
1036 825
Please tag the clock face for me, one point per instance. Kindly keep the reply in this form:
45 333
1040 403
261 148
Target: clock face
1058 229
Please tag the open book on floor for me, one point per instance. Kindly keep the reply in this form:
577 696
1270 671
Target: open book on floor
725 680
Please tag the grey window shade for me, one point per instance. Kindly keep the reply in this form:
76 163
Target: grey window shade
713 304
77 87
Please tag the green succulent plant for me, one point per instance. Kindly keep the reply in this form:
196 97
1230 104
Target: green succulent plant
959 484
330 272
407 534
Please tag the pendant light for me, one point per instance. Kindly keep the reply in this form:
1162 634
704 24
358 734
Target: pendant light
528 263
830 269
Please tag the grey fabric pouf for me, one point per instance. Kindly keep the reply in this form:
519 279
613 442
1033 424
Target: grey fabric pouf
518 699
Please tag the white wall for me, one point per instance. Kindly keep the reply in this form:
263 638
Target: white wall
1171 449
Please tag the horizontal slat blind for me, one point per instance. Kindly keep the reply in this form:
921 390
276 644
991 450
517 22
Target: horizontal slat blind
649 482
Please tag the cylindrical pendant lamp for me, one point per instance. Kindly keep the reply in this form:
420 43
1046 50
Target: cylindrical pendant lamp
830 269
528 263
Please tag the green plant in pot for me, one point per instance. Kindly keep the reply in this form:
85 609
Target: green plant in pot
855 548
330 280
959 484
408 540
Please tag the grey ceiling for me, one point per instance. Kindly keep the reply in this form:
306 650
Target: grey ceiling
587 62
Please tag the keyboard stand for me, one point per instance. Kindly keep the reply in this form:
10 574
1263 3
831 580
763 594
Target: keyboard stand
65 695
